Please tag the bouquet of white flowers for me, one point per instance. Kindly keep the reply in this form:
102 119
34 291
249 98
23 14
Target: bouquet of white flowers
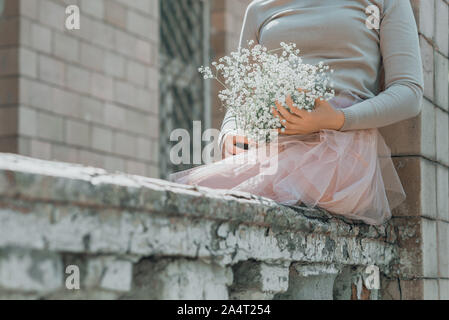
254 78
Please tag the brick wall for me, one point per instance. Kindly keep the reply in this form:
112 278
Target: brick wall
421 150
88 96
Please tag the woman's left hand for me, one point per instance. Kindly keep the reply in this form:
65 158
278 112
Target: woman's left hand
300 121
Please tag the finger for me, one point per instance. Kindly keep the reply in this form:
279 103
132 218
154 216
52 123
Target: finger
295 110
286 114
284 121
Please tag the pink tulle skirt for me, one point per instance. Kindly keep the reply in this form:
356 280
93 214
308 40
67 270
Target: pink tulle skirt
347 173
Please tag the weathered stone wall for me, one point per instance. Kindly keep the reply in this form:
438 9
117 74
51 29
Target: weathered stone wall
136 237
87 96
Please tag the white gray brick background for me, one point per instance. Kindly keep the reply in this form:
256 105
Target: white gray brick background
88 95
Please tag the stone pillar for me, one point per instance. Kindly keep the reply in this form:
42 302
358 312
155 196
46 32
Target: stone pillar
421 153
88 96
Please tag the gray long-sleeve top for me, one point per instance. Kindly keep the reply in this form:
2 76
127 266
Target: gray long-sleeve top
337 33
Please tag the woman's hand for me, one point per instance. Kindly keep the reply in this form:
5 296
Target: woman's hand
300 121
235 144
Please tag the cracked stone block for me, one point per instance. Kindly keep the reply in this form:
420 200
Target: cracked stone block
180 279
310 282
255 280
117 275
30 271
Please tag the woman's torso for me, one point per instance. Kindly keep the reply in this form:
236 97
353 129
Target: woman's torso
332 31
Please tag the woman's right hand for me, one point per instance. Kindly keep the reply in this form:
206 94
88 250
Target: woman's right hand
235 144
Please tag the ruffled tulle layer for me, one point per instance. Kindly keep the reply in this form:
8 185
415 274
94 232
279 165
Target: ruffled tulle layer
347 173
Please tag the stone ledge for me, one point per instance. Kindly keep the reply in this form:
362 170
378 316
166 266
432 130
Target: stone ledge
64 209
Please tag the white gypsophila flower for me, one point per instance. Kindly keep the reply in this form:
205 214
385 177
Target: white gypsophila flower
254 78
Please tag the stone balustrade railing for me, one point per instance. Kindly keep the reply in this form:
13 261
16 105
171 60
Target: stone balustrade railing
135 237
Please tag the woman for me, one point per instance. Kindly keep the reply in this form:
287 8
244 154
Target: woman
333 157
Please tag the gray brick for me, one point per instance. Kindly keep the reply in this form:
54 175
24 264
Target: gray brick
77 133
428 189
138 23
443 249
77 79
441 81
51 70
153 78
427 18
114 116
27 62
92 57
66 103
27 121
429 248
136 73
66 47
102 87
144 148
114 65
94 8
443 193
135 167
444 289
52 14
113 164
41 38
115 14
90 158
441 26
430 289
428 68
36 94
92 110
50 127
428 139
143 51
153 171
102 34
125 43
137 122
40 149
64 153
102 139
29 9
125 93
442 136
124 144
